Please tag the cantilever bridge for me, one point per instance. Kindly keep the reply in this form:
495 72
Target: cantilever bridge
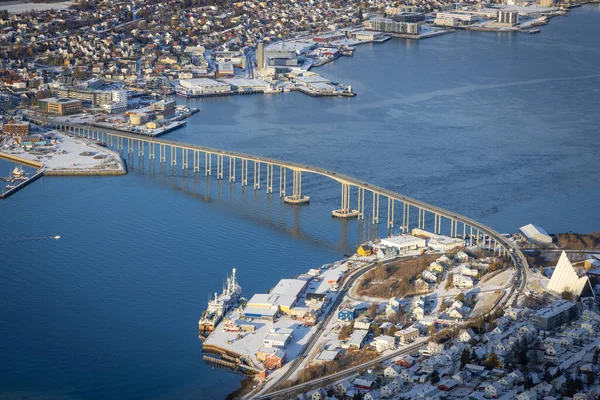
264 172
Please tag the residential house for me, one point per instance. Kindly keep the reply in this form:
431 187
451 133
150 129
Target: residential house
317 394
364 250
407 335
275 360
527 395
461 257
493 390
393 371
507 381
343 387
462 281
374 395
363 383
406 361
384 342
435 268
515 314
388 390
357 339
429 276
466 335
418 313
448 385
444 261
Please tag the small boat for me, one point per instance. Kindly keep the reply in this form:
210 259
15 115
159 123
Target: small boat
57 237
18 172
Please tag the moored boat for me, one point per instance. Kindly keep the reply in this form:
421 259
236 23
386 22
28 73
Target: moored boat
220 305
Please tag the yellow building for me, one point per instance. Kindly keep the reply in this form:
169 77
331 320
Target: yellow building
155 124
364 250
60 106
435 267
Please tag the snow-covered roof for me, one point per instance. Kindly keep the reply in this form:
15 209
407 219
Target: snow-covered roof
535 233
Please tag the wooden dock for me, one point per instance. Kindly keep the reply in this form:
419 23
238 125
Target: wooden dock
228 360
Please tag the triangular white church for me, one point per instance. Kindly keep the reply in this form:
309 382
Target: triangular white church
565 278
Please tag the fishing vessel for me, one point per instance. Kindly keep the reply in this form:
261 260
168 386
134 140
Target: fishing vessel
220 305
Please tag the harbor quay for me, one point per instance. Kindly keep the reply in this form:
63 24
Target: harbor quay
268 330
55 154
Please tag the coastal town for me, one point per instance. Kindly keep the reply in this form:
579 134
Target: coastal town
423 313
131 67
450 330
111 60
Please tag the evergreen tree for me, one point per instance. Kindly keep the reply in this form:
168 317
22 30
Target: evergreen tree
465 357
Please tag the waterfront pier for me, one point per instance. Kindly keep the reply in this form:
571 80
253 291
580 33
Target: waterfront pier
394 209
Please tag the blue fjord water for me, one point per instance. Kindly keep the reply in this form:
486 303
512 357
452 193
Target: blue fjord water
500 127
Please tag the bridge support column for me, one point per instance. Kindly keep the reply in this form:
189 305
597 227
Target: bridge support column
375 218
173 156
282 181
220 166
345 211
270 168
185 156
208 164
256 181
244 172
361 203
162 153
390 213
151 151
231 169
129 145
297 197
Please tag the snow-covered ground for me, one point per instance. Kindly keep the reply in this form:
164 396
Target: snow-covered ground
72 154
249 343
26 7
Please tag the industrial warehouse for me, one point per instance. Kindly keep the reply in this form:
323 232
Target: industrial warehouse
273 327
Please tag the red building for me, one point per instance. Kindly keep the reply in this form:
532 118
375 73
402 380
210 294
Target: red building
275 360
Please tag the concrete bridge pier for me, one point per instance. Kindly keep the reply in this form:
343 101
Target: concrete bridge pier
173 156
256 170
406 218
375 218
282 179
162 156
207 164
297 197
244 172
270 168
345 211
361 203
151 151
220 166
185 158
231 169
390 213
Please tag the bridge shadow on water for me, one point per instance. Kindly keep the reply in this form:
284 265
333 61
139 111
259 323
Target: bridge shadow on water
310 223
